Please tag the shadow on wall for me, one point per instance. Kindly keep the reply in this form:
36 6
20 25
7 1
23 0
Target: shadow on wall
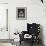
41 34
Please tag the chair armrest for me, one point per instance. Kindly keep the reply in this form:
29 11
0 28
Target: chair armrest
24 32
22 35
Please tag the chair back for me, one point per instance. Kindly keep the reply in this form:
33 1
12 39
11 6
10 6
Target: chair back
33 28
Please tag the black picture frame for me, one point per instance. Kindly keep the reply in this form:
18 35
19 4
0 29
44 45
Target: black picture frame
21 13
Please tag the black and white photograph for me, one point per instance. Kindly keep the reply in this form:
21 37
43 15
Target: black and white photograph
22 22
21 13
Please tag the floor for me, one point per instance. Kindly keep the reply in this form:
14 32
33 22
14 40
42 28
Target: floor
27 44
5 44
22 44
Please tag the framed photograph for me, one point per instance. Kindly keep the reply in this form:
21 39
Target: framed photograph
21 13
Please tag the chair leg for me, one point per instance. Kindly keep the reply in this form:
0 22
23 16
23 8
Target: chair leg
32 42
20 42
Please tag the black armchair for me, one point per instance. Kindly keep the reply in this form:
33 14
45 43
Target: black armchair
32 29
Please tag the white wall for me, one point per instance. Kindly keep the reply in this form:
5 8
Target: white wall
3 1
35 13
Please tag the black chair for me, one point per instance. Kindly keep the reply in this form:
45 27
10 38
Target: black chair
32 29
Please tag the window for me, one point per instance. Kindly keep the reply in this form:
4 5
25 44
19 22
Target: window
3 17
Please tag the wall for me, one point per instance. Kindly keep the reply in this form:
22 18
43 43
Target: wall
35 13
3 1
